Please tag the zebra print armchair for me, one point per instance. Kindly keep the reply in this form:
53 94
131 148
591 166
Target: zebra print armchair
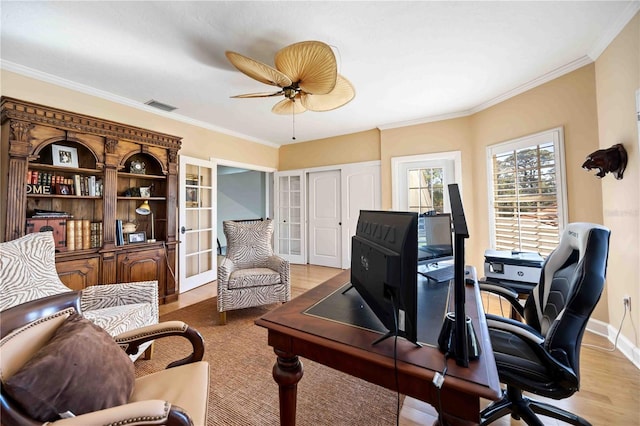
250 274
28 272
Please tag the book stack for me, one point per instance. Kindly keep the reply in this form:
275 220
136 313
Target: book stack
82 234
96 234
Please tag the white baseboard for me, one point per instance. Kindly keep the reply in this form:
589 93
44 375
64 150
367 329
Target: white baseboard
624 344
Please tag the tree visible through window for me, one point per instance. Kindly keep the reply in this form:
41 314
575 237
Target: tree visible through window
426 187
527 193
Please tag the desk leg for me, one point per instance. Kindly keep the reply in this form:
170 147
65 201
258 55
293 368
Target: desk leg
287 372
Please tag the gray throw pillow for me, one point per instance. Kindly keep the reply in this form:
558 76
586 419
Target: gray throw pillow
81 370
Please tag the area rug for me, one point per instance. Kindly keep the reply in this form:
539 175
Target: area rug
242 390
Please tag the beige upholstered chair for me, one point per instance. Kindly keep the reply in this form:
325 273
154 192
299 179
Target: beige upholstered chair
58 367
250 274
28 272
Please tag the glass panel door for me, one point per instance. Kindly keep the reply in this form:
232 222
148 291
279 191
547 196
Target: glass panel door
198 248
289 233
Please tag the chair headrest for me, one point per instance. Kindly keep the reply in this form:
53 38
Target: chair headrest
576 236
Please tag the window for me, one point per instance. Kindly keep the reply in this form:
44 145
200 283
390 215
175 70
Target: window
527 192
419 182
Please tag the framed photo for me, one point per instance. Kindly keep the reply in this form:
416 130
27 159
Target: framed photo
145 191
137 237
64 156
63 189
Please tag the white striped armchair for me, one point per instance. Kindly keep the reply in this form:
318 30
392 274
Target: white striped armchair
28 272
250 274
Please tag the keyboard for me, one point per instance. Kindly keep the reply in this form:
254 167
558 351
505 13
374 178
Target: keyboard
445 273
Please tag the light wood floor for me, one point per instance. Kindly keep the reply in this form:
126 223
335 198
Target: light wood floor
610 383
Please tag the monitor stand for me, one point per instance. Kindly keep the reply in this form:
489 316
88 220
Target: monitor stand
385 336
447 338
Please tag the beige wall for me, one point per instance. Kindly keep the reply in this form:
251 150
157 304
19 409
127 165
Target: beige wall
197 142
617 79
353 148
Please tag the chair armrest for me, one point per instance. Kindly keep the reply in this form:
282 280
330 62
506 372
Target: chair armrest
110 295
279 264
152 411
130 341
510 295
225 269
521 329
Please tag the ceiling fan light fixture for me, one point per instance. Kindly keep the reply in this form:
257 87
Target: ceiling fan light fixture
306 73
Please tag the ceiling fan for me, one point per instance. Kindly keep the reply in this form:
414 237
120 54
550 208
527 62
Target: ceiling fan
306 73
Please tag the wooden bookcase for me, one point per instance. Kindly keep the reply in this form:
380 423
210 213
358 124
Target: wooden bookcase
109 190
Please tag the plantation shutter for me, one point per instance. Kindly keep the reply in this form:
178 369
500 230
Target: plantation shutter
527 193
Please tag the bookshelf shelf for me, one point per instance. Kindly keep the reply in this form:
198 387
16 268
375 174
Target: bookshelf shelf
68 197
104 153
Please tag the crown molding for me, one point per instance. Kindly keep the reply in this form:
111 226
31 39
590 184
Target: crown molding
539 81
612 32
68 84
425 120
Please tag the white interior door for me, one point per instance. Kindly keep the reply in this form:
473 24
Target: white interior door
197 222
290 216
325 219
360 191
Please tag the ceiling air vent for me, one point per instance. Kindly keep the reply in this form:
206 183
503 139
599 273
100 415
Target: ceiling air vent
160 105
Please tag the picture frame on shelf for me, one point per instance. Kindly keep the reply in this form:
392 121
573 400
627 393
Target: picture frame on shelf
63 189
145 191
64 156
137 237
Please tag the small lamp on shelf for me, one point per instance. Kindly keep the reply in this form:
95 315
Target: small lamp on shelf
144 209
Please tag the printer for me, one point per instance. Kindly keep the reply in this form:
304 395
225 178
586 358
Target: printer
516 269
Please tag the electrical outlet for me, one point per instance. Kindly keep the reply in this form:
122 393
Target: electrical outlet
627 302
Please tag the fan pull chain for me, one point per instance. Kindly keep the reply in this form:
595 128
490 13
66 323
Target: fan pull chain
293 117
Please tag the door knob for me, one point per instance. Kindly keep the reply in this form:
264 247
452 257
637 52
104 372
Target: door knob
183 230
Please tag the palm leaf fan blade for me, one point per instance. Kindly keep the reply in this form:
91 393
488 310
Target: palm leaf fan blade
311 64
259 95
342 94
258 71
288 107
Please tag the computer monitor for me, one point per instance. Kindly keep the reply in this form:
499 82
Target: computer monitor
384 262
435 241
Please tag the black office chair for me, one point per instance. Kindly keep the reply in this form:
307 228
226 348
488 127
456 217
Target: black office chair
543 355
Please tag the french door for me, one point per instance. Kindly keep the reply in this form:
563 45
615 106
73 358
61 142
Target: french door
197 222
290 216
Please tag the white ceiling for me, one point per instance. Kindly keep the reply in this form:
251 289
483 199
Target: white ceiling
409 61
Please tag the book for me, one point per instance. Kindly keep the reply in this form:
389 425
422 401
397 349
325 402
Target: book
78 235
86 234
71 235
92 186
119 234
76 185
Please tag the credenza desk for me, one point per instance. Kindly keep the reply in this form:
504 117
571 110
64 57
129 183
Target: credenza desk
294 330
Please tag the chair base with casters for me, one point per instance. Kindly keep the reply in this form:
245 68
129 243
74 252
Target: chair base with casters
523 408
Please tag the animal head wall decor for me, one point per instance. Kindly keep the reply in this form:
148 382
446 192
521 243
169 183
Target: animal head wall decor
609 160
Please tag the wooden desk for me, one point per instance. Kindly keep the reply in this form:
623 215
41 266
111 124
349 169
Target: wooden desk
292 333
